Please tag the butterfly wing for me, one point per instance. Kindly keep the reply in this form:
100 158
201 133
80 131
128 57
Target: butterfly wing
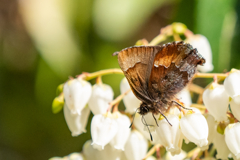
172 69
136 64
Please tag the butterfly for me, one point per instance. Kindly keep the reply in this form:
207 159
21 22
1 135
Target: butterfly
157 73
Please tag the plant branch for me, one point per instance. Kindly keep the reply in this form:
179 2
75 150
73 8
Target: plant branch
210 75
88 76
117 100
195 88
151 151
160 38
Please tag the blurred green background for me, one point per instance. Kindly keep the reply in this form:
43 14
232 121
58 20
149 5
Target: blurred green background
44 42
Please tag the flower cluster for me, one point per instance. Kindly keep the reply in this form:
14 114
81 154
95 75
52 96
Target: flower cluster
226 127
209 121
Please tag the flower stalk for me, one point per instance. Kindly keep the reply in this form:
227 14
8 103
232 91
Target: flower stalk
117 100
88 76
152 151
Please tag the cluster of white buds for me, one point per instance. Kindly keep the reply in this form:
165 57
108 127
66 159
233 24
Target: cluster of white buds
112 139
110 130
217 99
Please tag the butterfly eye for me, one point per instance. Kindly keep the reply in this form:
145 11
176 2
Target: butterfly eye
146 109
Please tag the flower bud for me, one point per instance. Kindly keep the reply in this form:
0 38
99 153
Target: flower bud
103 129
102 94
58 104
201 43
232 138
195 128
109 153
120 139
76 123
170 136
130 101
216 100
231 83
136 146
77 93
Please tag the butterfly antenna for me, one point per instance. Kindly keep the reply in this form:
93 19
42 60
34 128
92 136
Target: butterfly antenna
133 118
147 128
155 119
182 105
165 117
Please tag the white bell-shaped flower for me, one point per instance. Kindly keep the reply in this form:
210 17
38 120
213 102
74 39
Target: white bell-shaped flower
216 100
170 136
231 83
76 122
232 138
109 153
120 139
102 94
211 127
130 101
195 128
185 97
77 92
103 128
235 108
201 43
136 146
221 146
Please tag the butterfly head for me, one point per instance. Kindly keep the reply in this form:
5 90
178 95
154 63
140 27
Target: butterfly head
143 109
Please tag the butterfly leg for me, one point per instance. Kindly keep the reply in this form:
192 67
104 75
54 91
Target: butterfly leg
164 116
181 105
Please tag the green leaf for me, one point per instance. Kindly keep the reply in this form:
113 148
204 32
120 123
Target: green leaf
210 16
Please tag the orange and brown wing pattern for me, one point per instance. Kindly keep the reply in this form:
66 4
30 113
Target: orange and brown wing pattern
172 69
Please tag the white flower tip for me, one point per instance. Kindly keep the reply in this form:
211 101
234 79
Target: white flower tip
171 148
119 148
202 143
75 111
238 156
75 134
97 146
